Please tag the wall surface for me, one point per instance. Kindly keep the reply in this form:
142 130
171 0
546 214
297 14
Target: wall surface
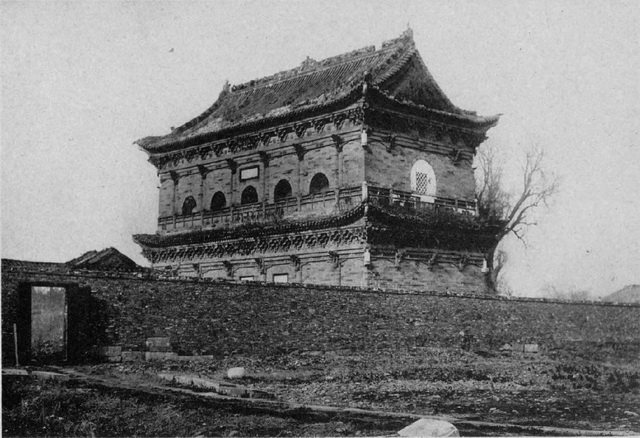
414 274
205 317
392 168
343 167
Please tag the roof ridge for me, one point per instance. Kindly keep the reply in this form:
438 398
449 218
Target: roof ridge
309 65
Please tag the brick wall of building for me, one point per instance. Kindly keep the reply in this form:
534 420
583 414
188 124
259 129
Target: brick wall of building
218 180
342 169
220 318
166 197
315 266
416 274
392 169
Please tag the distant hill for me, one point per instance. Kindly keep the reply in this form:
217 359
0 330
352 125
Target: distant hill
628 294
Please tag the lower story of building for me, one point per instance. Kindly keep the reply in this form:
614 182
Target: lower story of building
358 265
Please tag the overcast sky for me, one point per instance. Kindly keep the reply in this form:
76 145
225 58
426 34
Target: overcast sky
81 81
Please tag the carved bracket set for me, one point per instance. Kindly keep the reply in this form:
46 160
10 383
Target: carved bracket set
249 142
258 245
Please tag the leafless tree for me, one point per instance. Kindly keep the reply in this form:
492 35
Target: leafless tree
512 211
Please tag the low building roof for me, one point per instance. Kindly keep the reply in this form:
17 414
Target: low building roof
107 259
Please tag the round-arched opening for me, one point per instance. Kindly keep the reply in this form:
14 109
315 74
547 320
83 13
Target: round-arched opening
249 196
188 205
319 184
218 202
423 179
282 191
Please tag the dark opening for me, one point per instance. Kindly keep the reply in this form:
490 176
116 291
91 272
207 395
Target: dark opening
319 183
57 323
218 202
249 195
188 205
283 190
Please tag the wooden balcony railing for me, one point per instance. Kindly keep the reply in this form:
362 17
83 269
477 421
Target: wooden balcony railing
320 204
382 196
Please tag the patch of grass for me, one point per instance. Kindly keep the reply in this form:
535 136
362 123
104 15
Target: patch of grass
52 408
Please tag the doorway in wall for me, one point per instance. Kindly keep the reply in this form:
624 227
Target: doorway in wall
53 322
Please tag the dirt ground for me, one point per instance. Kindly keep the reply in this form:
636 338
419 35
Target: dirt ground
527 390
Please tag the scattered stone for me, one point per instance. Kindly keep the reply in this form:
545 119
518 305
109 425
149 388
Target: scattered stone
132 356
14 372
46 375
635 414
158 344
111 350
236 373
531 348
204 358
157 355
110 353
426 427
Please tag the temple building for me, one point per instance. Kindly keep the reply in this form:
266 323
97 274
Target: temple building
355 170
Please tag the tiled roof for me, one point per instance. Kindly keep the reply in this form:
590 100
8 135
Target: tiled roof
25 265
107 259
395 69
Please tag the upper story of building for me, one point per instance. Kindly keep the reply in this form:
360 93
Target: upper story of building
317 139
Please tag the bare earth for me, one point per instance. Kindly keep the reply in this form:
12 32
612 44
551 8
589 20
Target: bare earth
469 388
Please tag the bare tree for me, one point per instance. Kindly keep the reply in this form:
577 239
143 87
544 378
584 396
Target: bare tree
512 212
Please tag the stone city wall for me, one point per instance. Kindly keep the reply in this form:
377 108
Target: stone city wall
223 318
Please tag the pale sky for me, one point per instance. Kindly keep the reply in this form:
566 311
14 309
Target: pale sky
81 81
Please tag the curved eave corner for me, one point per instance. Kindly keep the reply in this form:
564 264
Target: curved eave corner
466 118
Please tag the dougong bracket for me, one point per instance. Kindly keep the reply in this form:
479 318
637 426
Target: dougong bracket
295 260
228 267
261 267
335 258
400 255
432 261
463 262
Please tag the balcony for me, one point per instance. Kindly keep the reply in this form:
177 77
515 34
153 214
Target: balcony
308 206
381 196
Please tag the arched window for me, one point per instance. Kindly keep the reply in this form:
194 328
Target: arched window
423 179
249 195
188 205
282 191
218 202
319 183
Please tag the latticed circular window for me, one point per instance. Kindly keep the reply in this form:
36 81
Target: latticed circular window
423 179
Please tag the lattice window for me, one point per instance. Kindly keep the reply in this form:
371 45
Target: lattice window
423 183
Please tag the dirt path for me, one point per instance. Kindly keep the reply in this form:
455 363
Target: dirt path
319 413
